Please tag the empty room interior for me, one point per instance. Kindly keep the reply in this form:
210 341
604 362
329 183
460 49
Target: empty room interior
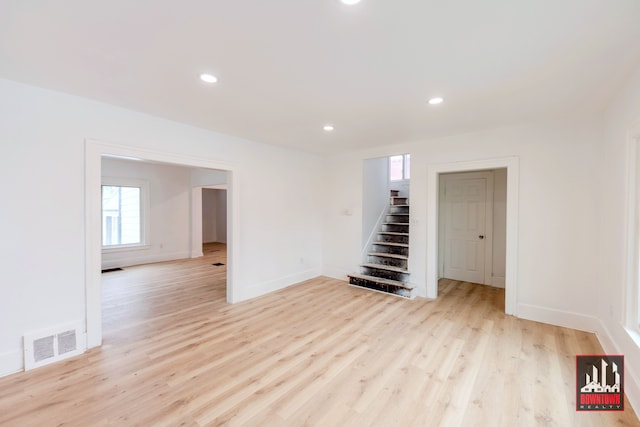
336 213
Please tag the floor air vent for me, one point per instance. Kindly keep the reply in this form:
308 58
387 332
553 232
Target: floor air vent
52 345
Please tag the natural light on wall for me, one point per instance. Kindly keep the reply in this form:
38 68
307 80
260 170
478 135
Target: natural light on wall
121 215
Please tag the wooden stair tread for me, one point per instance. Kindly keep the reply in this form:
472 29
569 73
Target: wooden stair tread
386 255
401 245
381 280
395 223
393 233
385 267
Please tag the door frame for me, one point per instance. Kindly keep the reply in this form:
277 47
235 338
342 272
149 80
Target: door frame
511 263
488 221
94 151
196 217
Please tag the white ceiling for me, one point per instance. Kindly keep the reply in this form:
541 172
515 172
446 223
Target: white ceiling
287 67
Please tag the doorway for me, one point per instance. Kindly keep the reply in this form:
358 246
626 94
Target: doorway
214 215
94 151
434 173
472 226
209 219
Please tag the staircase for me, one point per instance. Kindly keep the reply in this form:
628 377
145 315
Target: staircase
386 266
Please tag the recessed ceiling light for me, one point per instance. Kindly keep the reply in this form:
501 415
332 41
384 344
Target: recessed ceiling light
208 78
435 101
350 2
328 128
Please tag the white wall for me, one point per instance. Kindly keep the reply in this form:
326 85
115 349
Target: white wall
206 177
42 279
557 256
375 194
623 118
169 212
403 187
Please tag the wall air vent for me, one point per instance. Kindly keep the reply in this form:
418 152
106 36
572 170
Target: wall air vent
43 349
51 345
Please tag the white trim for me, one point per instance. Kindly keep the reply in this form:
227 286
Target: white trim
145 258
94 150
336 273
631 294
511 276
216 186
626 332
196 222
124 248
634 336
631 378
277 284
497 281
566 319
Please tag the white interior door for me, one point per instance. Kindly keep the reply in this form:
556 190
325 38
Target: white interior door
464 240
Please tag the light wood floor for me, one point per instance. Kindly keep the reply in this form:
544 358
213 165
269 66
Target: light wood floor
319 353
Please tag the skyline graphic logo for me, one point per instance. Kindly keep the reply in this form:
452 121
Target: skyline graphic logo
600 382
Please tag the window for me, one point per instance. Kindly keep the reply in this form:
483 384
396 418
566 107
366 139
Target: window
123 214
399 167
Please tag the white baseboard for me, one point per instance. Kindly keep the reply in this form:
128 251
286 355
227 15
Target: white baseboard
337 273
585 323
551 316
11 362
419 290
129 260
497 281
277 284
631 377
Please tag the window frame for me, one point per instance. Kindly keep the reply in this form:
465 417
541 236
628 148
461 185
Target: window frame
406 160
144 213
632 291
